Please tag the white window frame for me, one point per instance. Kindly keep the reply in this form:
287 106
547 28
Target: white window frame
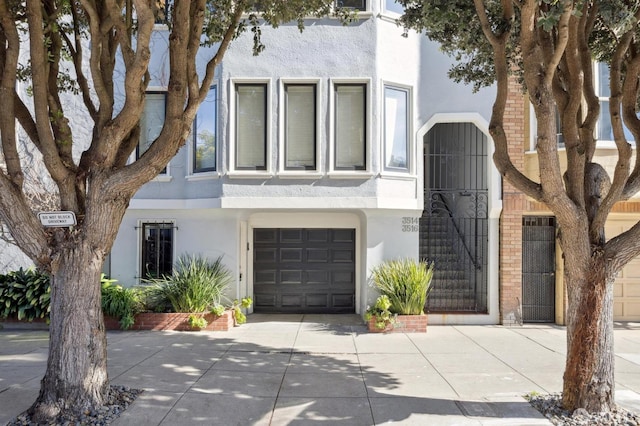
161 177
411 157
240 173
211 174
139 236
282 160
341 173
600 143
609 143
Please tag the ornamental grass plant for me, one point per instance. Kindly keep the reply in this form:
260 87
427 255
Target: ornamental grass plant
406 282
196 285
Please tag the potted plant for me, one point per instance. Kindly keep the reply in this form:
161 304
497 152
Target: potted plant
404 286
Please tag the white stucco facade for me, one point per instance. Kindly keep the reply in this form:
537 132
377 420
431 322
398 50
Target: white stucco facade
216 213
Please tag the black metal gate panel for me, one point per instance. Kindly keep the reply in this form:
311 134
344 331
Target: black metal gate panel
538 269
454 226
304 270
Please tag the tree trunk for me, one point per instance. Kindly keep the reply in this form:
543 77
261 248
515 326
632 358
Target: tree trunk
76 377
588 378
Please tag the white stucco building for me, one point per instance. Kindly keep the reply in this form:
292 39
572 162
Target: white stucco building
307 168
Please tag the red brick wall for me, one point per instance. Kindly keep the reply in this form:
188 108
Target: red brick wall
403 324
513 204
173 321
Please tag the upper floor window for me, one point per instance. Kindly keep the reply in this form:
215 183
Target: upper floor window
393 6
352 4
250 126
205 134
151 122
350 133
396 128
300 144
604 128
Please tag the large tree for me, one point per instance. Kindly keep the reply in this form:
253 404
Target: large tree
550 46
94 50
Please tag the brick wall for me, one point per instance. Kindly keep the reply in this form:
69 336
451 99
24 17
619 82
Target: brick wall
513 204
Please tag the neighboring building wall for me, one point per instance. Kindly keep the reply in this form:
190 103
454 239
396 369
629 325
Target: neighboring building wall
12 258
511 218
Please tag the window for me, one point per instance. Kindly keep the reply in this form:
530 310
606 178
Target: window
204 134
352 4
151 122
604 128
157 249
300 127
350 126
251 126
162 9
396 128
392 6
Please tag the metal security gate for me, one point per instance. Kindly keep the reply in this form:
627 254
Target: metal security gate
538 269
304 270
454 224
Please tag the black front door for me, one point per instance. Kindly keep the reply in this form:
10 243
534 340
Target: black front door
538 269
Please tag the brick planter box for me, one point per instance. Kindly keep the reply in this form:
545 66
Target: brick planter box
173 321
403 324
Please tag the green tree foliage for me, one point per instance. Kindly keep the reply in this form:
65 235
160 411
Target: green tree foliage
551 45
91 59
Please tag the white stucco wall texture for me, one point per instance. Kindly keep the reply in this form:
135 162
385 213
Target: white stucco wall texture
215 215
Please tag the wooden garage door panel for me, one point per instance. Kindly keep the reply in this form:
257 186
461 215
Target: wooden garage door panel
304 270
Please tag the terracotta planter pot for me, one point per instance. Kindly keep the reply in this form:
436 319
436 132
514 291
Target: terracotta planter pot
403 324
173 321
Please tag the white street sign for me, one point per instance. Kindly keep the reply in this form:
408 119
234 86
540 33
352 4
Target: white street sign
57 219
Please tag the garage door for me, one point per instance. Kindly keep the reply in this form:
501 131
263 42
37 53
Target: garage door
304 270
626 296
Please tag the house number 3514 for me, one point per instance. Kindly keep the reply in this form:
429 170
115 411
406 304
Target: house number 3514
410 224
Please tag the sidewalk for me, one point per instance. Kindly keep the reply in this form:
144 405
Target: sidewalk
300 370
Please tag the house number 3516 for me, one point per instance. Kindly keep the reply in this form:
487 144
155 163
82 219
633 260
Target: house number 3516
410 224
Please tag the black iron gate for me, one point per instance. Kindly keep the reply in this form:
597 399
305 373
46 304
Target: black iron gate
454 224
538 269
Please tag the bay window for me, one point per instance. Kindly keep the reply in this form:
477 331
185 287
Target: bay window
350 122
396 128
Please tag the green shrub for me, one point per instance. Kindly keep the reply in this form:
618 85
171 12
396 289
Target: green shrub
196 286
406 282
197 322
25 294
236 309
380 312
120 302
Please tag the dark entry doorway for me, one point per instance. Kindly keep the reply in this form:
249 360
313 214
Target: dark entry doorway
454 224
538 269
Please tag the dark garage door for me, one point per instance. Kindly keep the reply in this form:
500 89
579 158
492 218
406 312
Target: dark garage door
304 270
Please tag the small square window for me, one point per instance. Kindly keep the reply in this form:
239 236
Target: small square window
157 250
